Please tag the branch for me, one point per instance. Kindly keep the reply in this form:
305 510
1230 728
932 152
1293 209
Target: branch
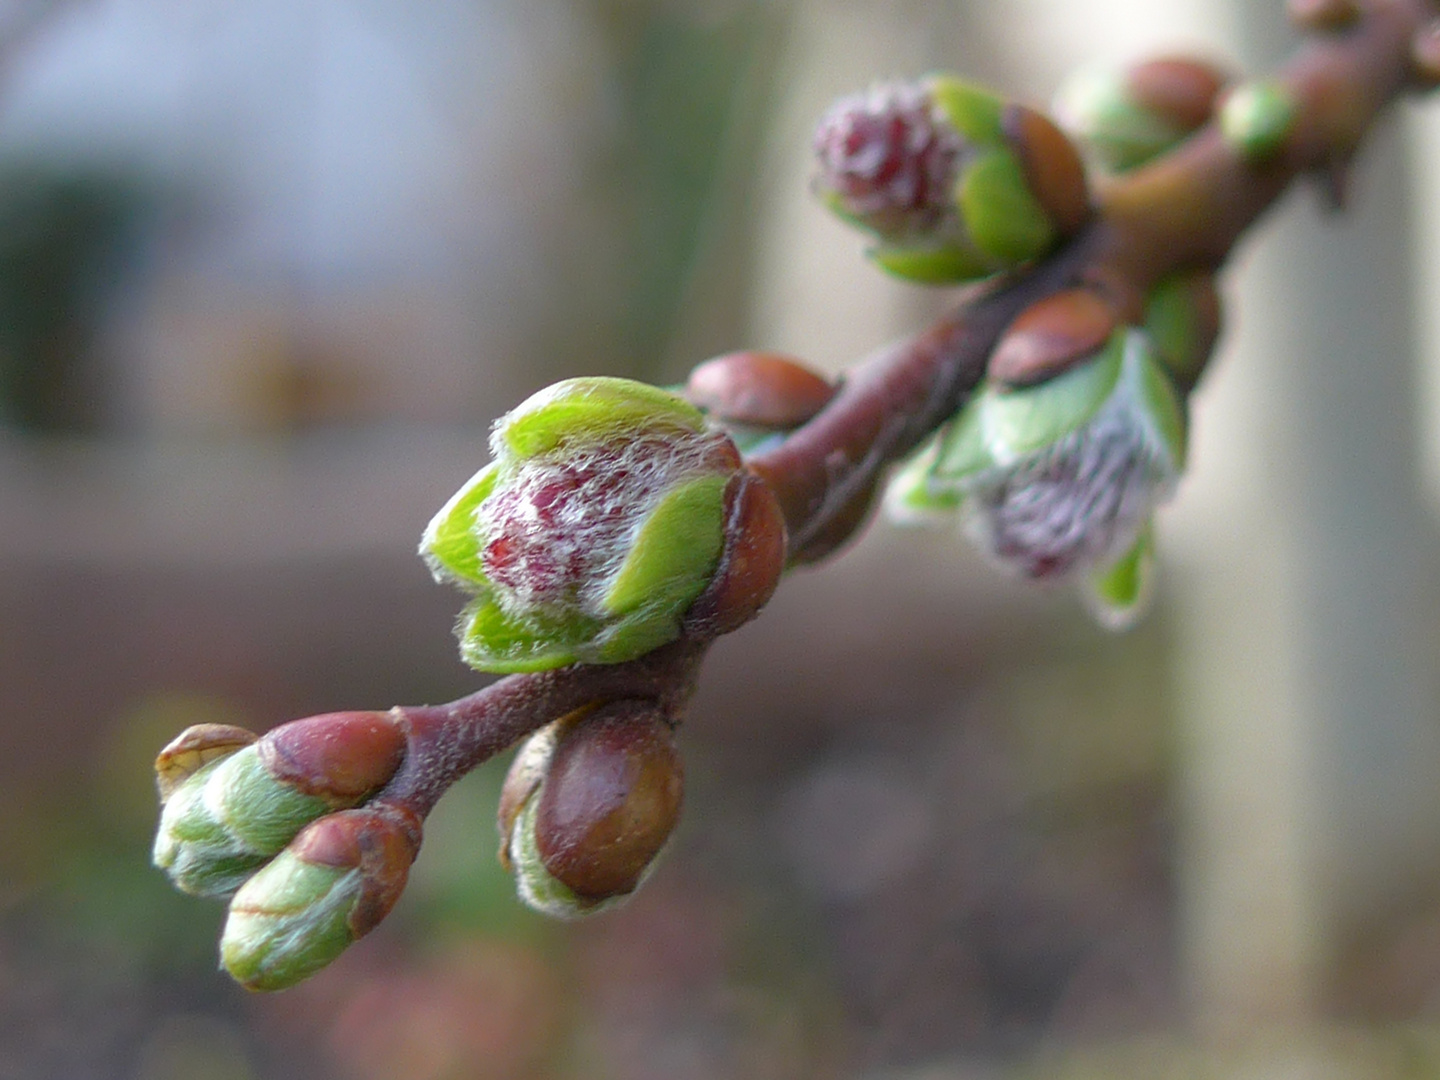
316 823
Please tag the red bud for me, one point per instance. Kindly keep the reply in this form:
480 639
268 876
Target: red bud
758 388
610 800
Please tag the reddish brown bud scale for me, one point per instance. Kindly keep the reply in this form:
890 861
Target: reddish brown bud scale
610 800
1180 89
1323 14
1425 54
750 564
1053 169
381 843
193 749
1052 335
340 757
758 388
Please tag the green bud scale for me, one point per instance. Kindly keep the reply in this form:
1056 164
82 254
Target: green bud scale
227 819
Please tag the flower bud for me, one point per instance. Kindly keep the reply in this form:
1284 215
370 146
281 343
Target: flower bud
1127 117
588 806
230 803
952 186
329 888
1059 479
599 522
1257 119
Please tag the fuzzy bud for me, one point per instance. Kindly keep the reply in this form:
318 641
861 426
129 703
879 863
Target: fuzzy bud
1059 480
952 189
589 804
230 803
329 888
601 519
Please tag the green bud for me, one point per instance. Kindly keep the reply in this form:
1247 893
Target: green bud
288 921
226 819
330 887
1059 479
599 522
932 170
1257 119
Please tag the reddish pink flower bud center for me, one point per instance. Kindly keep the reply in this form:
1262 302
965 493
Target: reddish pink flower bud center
888 158
561 526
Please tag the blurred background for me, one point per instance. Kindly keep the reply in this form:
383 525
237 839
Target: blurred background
268 270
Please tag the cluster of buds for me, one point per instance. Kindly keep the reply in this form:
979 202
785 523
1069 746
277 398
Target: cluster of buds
954 183
270 824
612 519
589 803
1056 465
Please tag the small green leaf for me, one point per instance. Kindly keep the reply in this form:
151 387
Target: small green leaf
493 640
1118 594
972 110
674 552
1156 392
1018 422
933 264
592 410
450 546
962 450
915 496
1173 324
1000 213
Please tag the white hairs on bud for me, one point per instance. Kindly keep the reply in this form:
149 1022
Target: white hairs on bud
572 515
1080 501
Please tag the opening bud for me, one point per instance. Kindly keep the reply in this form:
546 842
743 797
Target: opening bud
1125 117
329 888
952 189
589 804
1059 480
230 803
599 522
